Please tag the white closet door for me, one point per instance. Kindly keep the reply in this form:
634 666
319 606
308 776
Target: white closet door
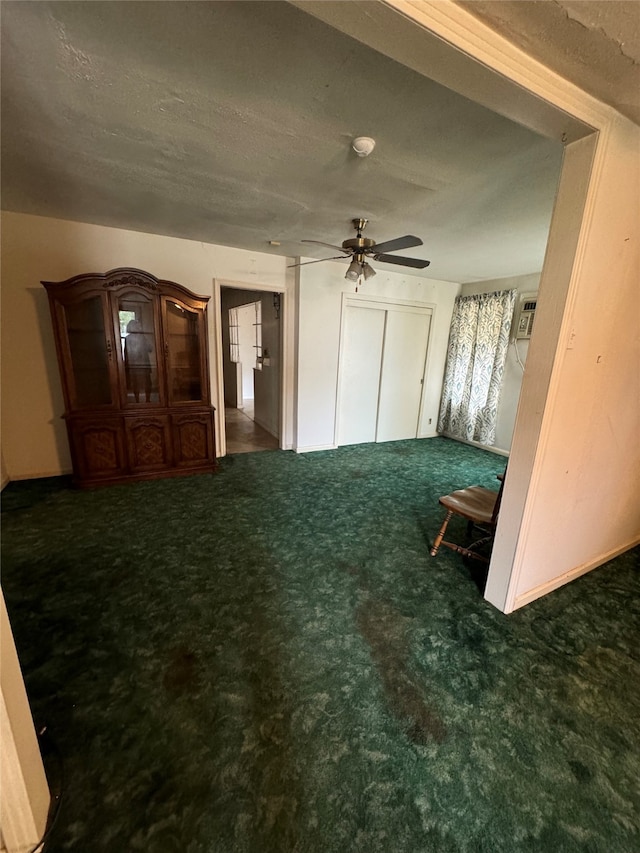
403 364
360 361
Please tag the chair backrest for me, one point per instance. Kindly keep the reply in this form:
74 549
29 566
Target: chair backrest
496 508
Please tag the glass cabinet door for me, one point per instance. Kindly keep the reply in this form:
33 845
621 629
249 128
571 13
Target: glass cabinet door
89 352
138 351
184 327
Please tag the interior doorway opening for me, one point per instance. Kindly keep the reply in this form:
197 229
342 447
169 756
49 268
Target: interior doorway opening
251 369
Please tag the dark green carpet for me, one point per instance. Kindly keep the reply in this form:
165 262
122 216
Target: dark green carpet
267 660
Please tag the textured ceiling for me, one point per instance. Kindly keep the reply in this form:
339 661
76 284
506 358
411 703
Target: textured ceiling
231 123
596 45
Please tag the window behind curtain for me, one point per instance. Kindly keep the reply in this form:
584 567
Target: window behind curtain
478 343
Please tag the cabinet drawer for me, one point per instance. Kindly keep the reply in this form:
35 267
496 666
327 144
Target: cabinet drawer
149 445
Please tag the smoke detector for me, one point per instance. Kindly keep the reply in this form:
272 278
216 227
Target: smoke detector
363 145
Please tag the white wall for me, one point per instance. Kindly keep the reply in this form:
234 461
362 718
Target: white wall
34 248
321 289
512 379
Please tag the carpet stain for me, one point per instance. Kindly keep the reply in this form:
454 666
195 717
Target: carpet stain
181 672
580 771
350 568
400 451
384 629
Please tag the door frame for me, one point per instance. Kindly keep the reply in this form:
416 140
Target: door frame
363 300
286 350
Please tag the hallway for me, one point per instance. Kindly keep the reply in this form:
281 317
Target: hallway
244 435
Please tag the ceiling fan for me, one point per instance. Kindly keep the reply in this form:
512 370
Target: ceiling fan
360 248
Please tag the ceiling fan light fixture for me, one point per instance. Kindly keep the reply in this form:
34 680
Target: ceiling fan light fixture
353 273
363 145
368 271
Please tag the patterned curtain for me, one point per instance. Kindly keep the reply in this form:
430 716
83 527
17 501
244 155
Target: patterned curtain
478 344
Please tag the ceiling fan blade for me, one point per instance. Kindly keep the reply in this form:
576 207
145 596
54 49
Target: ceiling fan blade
319 261
328 245
406 242
416 263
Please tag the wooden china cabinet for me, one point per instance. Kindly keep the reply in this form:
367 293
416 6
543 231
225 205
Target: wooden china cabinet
132 351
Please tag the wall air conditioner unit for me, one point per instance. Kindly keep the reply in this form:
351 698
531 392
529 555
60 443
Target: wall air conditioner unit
526 312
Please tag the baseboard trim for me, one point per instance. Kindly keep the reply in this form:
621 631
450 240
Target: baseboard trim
549 586
497 450
265 427
315 447
41 475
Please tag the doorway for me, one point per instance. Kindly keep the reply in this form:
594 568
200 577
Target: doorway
251 369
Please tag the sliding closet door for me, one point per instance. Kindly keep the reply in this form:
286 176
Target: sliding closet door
382 363
360 361
405 350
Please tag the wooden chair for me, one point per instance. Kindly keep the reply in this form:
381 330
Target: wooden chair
480 507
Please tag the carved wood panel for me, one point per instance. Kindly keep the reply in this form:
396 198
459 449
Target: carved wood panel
148 443
193 439
99 448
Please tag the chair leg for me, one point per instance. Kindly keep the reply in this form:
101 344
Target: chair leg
440 535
